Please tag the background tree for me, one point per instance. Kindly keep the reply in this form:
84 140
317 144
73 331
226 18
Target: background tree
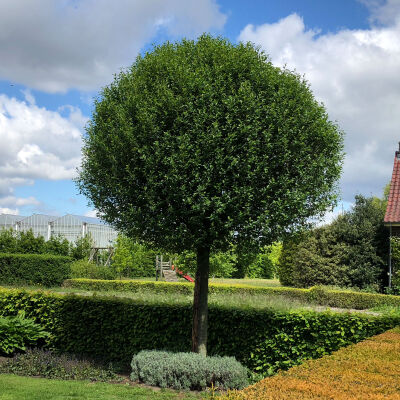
352 251
222 263
80 250
202 144
57 245
132 259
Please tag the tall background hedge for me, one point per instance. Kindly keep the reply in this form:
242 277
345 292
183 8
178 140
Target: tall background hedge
34 269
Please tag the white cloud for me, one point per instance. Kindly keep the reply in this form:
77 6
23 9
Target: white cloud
6 210
36 144
56 45
383 11
19 201
355 73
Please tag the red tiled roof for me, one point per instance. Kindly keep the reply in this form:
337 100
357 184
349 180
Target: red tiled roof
393 207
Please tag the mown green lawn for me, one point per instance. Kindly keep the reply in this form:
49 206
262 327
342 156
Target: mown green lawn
14 387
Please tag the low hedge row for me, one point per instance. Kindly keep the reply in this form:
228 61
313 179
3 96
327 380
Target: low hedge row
316 295
101 285
34 269
115 329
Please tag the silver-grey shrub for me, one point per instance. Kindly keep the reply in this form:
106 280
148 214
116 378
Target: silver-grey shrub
188 370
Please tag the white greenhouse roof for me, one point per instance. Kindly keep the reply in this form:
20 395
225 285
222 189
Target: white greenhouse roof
8 219
37 218
79 219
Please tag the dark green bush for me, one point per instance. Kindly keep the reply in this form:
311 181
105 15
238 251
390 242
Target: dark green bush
18 332
34 269
90 270
115 328
28 243
8 241
350 252
58 246
188 371
47 364
25 242
286 261
80 250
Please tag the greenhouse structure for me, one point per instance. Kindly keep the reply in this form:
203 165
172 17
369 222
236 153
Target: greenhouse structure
71 227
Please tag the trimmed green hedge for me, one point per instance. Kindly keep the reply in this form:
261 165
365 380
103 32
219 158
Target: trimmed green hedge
348 299
34 269
315 295
133 286
178 287
115 329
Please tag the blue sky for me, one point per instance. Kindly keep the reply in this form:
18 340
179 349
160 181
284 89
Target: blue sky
56 55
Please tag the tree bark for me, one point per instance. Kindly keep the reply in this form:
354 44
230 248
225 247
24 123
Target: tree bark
200 302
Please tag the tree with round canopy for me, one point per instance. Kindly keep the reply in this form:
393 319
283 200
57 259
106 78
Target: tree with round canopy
201 144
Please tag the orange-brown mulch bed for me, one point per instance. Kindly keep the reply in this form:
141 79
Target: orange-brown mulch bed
369 370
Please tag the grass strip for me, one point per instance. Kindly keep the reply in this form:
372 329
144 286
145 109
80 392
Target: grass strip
14 387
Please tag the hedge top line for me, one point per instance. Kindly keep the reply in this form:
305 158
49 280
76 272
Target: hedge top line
316 294
44 256
61 298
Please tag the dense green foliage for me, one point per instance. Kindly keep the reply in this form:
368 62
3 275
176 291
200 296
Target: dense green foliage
34 269
22 242
187 371
116 328
287 259
90 270
205 143
47 364
235 263
16 333
257 265
314 295
350 252
132 259
27 243
222 263
81 248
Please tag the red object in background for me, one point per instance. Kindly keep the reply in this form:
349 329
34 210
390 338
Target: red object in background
185 276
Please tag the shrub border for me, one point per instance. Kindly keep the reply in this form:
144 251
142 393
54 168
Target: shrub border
315 295
115 328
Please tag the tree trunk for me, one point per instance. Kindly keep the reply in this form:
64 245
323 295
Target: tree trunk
200 306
